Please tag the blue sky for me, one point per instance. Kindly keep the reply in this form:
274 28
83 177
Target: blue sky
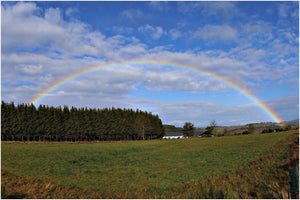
253 44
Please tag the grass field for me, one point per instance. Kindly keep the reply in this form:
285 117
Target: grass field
218 167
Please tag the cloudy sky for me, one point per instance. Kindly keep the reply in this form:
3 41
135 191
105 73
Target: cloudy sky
253 44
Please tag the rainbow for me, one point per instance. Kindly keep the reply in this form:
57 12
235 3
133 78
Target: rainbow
86 71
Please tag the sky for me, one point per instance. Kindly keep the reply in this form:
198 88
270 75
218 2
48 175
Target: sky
254 45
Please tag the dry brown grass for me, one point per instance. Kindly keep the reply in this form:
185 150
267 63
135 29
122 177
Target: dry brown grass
15 187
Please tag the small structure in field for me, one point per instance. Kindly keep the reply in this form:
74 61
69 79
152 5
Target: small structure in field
173 137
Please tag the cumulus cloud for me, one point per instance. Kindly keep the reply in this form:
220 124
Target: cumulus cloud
23 27
51 32
70 12
155 32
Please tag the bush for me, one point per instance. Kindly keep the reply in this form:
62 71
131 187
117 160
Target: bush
268 130
188 129
245 133
278 129
207 134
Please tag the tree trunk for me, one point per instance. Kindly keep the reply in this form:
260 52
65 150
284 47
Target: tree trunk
143 132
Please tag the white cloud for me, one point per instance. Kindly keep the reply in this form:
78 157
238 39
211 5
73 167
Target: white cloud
155 32
159 5
30 69
131 14
261 32
70 12
51 32
22 9
53 15
122 30
225 9
214 33
132 50
174 33
210 61
284 10
23 27
220 9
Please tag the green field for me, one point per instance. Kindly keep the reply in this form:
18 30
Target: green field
143 169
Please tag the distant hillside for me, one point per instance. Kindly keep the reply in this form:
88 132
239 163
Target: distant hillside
293 122
170 128
233 130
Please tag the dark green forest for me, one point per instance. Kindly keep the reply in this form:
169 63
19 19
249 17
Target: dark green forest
25 122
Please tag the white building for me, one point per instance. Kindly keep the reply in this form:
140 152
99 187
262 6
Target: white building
173 137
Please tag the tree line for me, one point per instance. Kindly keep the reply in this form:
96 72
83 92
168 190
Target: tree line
25 122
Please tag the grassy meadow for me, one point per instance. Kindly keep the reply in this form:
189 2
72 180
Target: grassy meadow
248 166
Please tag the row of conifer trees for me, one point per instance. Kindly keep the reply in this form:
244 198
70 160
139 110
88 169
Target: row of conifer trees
24 122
